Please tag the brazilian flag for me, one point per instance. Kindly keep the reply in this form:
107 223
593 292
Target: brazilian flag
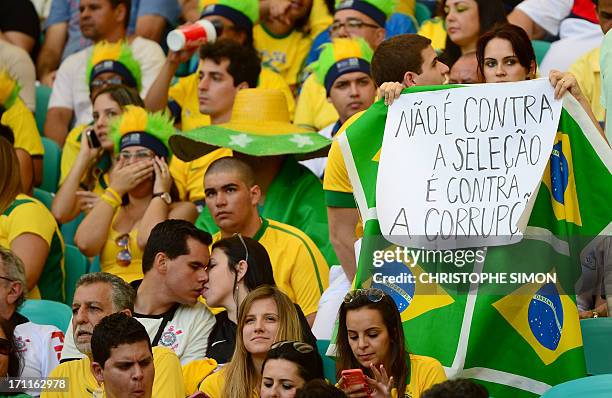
521 338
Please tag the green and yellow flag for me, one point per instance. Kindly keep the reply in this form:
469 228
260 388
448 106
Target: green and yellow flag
518 338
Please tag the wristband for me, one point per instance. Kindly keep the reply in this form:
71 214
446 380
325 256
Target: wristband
111 201
114 194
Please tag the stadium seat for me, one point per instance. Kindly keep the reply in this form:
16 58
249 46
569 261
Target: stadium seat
586 387
51 165
45 312
45 197
42 100
69 229
541 48
75 264
421 13
329 365
596 333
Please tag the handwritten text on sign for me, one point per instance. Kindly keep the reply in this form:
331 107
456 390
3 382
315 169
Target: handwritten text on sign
458 166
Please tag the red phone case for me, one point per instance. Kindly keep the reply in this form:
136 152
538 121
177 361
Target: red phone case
355 377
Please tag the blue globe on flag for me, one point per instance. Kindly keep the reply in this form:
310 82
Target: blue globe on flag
401 292
546 316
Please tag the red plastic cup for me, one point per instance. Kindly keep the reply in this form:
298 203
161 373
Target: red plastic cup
182 37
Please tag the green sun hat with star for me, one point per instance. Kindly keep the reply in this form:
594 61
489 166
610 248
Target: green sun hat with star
260 125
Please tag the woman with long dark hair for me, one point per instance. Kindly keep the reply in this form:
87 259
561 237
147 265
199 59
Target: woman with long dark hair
371 338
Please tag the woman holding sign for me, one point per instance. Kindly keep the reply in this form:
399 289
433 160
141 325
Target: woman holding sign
371 350
505 54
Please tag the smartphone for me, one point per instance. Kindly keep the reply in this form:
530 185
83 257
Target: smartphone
355 377
92 138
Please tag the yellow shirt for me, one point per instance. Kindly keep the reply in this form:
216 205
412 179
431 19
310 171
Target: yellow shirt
185 93
108 257
196 371
27 215
424 373
299 268
283 54
189 176
588 74
313 110
213 385
435 31
168 382
319 18
20 119
70 152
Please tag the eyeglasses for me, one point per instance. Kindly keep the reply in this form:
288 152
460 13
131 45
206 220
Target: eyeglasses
124 257
351 25
7 279
372 294
246 250
138 155
5 346
113 81
300 347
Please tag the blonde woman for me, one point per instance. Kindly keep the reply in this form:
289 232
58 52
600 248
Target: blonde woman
265 316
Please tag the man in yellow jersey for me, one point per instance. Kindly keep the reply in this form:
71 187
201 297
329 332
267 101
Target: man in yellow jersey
226 67
122 357
233 20
406 59
260 133
299 268
98 295
353 18
344 69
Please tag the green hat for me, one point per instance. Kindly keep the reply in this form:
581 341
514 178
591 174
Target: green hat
136 126
116 58
9 89
243 13
378 10
342 56
260 126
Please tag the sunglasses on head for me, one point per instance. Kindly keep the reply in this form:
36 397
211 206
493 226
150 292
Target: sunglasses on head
246 250
372 294
300 347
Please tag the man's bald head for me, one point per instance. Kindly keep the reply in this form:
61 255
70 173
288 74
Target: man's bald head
232 165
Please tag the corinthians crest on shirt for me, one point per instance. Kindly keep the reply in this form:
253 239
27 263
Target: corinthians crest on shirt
170 337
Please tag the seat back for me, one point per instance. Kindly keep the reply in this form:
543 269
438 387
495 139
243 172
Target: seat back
421 13
541 48
586 387
329 365
76 264
69 229
51 165
45 197
46 312
596 334
42 101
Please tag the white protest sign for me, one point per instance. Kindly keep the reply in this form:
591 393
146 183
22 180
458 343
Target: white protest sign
458 166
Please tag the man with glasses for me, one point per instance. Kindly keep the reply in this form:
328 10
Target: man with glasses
39 345
299 268
100 20
166 302
98 295
352 19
